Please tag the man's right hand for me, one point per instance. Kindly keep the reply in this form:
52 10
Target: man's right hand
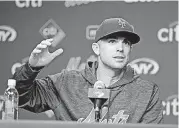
41 56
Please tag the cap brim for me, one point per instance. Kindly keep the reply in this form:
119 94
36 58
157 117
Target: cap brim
132 37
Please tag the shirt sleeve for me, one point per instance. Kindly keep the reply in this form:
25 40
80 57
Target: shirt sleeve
36 95
154 111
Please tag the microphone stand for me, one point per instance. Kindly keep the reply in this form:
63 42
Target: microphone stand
97 113
98 95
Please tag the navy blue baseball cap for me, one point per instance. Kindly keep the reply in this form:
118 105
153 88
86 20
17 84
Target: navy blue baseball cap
117 27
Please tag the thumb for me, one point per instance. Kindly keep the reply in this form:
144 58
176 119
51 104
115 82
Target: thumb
57 52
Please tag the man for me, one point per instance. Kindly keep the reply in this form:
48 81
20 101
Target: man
132 99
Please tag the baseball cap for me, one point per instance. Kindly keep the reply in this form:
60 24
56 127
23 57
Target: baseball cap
117 27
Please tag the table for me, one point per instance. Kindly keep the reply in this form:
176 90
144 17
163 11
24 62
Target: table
65 124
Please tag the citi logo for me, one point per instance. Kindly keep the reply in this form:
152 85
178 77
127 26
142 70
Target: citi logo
145 66
171 105
28 3
169 34
50 29
7 33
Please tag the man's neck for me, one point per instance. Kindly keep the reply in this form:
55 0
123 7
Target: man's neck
108 75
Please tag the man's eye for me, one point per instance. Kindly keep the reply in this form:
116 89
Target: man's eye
127 42
112 41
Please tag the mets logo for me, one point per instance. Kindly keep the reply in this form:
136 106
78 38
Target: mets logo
119 118
121 22
99 94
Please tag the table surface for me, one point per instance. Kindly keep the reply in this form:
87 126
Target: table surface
64 124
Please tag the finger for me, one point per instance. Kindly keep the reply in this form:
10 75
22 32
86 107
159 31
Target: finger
77 62
81 67
57 52
70 63
46 42
36 51
49 40
41 46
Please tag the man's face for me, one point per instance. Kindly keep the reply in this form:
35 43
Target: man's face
114 52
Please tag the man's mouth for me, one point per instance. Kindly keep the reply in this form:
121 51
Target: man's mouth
119 58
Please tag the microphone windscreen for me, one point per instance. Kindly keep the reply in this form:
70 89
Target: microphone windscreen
99 85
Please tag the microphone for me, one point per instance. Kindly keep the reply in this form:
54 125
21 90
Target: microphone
99 101
98 95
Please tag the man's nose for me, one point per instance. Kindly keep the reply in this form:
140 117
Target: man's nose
119 47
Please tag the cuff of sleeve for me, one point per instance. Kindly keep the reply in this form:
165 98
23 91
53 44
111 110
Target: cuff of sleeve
34 69
29 72
26 72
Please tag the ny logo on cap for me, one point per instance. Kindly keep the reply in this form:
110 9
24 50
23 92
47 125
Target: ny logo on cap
121 22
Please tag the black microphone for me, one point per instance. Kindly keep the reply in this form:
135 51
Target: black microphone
98 95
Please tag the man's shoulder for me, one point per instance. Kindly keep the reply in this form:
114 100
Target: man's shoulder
72 72
67 73
146 85
66 77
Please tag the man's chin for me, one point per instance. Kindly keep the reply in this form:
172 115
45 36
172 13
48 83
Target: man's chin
119 66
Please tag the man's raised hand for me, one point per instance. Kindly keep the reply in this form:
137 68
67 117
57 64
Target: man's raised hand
41 56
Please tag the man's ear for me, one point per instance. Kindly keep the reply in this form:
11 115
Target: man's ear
95 47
